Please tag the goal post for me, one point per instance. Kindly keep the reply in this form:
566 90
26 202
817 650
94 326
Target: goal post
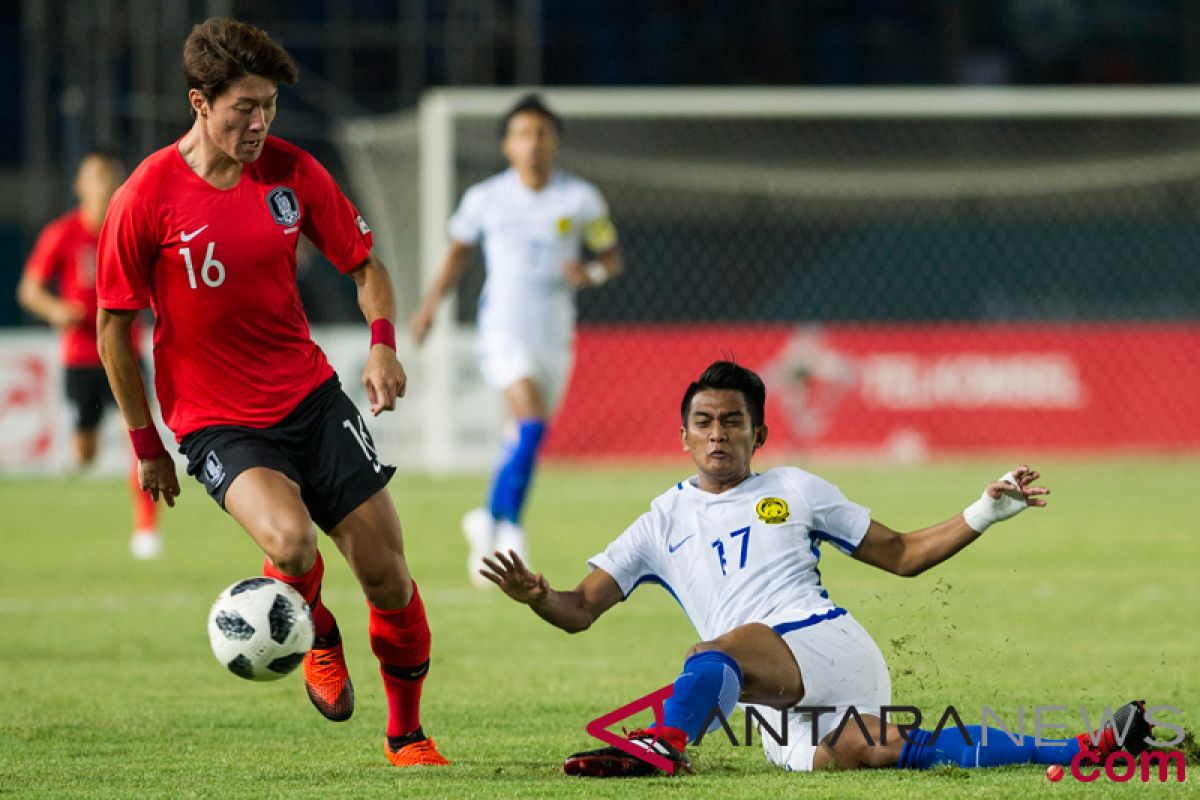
875 253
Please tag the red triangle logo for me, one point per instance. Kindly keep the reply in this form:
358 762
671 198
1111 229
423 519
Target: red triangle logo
599 727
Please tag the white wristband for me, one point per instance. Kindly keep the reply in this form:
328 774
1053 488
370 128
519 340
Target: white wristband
985 511
596 273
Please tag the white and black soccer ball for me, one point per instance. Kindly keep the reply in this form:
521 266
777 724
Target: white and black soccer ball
260 629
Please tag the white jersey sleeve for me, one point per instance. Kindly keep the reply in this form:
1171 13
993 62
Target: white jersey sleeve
466 225
835 519
625 558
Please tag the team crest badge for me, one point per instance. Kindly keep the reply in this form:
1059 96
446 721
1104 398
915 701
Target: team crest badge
772 510
285 208
214 470
564 226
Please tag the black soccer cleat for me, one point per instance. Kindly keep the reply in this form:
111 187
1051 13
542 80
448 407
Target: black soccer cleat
1129 719
613 762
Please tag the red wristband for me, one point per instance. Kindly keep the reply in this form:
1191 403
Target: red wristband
382 332
146 444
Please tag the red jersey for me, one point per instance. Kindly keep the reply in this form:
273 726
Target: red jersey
218 266
65 253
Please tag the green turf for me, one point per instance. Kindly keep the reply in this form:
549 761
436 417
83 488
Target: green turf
108 688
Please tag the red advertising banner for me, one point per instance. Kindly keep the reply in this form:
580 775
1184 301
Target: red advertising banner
27 420
907 390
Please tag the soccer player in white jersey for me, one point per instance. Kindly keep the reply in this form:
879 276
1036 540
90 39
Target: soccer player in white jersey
739 551
535 223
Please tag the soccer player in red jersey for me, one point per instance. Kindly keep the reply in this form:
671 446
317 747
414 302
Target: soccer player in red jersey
59 286
204 232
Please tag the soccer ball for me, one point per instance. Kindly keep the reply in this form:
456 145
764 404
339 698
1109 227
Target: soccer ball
260 629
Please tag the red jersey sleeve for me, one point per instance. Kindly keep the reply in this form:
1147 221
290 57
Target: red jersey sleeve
45 261
331 221
127 251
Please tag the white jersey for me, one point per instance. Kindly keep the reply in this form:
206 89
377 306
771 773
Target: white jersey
527 238
746 555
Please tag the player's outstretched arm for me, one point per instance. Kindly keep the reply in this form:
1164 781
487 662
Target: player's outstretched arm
913 553
572 611
453 267
383 376
35 298
156 469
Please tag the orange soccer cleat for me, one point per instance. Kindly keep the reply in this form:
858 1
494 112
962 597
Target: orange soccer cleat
419 753
328 682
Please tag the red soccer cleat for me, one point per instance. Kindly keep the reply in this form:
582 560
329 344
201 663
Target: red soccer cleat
1130 720
612 762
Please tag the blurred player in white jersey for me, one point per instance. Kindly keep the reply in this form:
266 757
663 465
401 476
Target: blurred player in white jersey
739 551
535 223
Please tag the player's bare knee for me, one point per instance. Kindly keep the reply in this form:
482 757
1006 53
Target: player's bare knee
290 543
292 560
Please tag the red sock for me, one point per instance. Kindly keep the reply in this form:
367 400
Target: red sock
400 640
309 586
145 510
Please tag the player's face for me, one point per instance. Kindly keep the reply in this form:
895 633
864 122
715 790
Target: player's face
531 143
720 437
96 180
238 119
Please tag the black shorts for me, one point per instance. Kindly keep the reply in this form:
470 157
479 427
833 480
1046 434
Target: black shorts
87 393
323 445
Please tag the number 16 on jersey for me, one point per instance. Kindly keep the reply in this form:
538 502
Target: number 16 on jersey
212 272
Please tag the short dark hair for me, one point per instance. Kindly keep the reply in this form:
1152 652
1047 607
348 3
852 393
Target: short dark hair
729 375
531 102
220 51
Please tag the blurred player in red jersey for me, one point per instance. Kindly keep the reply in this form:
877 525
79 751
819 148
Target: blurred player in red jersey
205 232
59 286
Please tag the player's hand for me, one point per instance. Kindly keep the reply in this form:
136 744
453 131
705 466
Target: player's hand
419 325
514 579
1004 498
67 313
158 478
576 274
1018 485
384 379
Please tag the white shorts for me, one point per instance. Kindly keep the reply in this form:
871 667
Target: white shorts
504 359
841 666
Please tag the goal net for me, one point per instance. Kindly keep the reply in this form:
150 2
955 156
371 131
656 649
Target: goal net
913 272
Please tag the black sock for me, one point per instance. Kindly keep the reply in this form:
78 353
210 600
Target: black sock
396 742
331 639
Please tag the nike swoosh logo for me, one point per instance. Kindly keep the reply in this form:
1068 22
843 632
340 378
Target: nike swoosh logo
187 237
671 548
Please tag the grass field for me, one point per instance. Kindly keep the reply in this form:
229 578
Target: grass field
108 688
